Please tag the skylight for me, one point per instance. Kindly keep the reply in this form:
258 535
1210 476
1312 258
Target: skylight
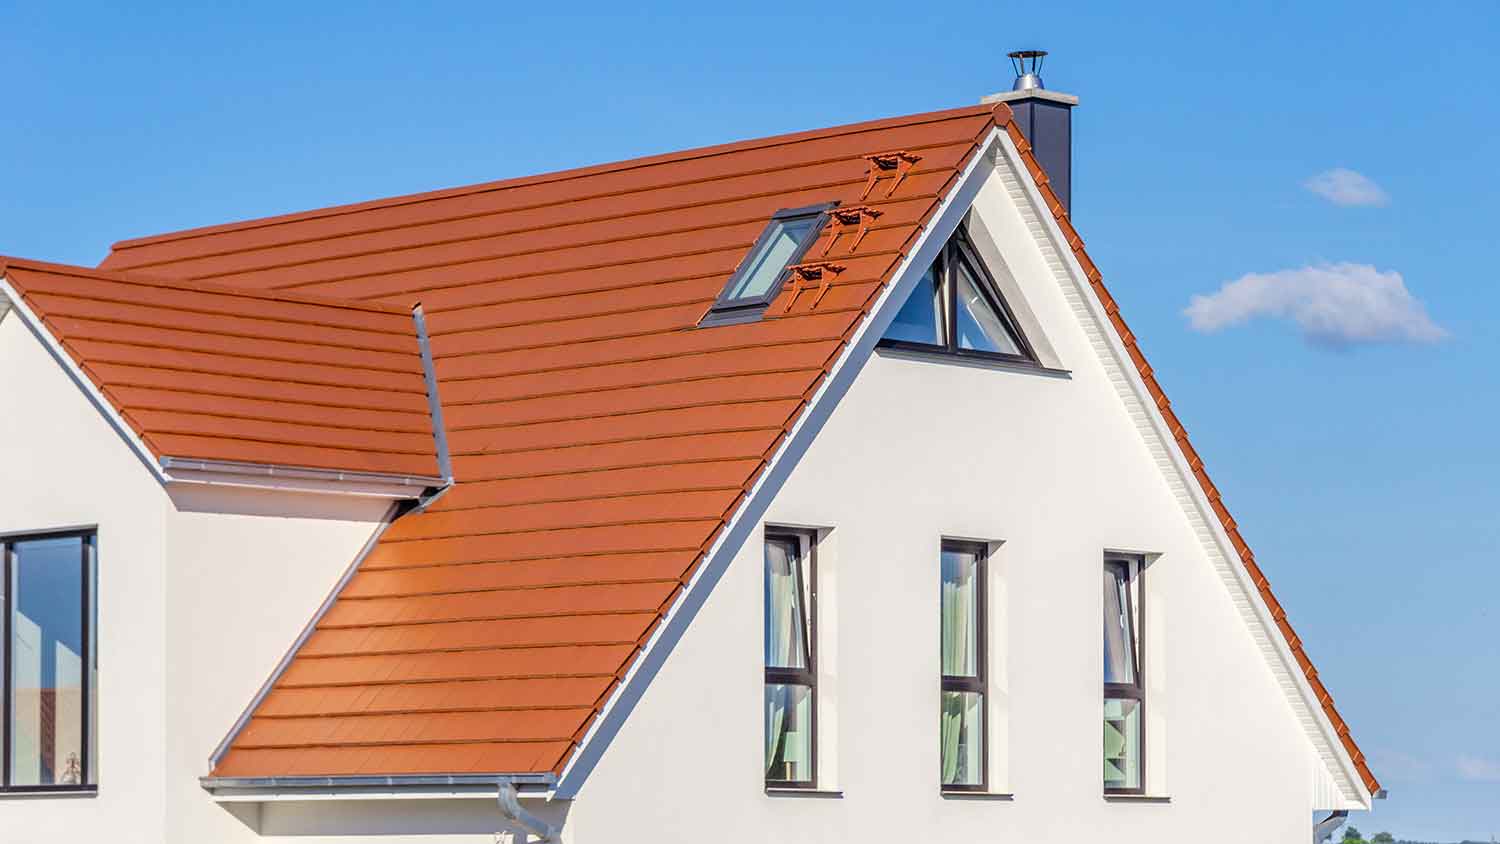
759 277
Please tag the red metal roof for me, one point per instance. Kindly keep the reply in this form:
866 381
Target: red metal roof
600 440
204 372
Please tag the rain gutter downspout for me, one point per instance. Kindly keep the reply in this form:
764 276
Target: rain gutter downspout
510 807
435 407
1323 830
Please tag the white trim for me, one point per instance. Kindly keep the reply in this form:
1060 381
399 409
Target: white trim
1191 495
745 521
84 383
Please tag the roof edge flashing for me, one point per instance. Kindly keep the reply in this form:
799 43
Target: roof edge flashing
434 402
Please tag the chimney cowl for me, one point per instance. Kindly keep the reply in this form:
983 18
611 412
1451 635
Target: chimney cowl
1028 65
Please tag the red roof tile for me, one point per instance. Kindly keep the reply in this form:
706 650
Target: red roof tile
204 372
600 440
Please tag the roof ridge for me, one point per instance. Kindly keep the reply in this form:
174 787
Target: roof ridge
557 175
131 277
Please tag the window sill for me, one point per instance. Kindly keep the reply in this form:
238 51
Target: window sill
60 793
1137 798
814 793
972 360
1003 796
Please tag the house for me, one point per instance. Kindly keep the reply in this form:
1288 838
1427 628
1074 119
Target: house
780 490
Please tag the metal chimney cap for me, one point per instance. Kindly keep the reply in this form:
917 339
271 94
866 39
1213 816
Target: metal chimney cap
1028 65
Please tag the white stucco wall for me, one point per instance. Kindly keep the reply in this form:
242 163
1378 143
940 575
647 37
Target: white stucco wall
1055 470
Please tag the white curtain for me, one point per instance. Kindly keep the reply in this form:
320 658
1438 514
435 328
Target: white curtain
1119 633
785 615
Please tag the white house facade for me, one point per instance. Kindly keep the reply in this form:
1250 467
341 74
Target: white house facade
503 599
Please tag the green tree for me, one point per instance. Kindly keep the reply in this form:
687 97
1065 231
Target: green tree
1353 836
1383 838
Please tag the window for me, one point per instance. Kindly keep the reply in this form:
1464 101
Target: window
1124 685
760 276
791 660
956 308
49 665
964 751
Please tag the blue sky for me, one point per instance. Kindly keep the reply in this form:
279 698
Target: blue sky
1363 473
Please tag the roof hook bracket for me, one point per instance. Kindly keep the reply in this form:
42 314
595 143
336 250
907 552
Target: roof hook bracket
897 163
802 275
856 218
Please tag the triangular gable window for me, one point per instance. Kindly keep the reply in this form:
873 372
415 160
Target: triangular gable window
956 308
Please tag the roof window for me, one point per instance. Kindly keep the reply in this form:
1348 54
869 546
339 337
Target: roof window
761 275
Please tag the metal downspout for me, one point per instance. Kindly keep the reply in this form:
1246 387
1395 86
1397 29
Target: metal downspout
1323 830
510 807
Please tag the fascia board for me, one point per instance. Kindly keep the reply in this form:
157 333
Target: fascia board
1353 787
743 524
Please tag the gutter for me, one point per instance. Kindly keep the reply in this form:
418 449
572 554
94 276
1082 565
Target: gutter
415 787
297 478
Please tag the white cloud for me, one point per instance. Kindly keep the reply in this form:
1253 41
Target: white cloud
1333 304
1347 188
1475 769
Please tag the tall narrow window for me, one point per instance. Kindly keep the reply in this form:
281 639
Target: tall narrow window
48 662
957 308
759 277
964 751
1124 686
791 660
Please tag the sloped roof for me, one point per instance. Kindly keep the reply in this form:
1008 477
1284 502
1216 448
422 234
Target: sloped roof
202 372
600 440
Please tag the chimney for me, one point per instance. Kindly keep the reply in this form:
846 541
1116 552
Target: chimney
1045 117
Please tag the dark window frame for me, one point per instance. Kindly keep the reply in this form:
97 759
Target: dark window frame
725 311
959 249
88 658
1134 566
808 540
979 683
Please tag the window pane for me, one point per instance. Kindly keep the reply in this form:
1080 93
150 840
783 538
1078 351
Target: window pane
47 717
786 605
920 320
980 325
963 738
1119 627
764 266
960 613
1122 743
788 733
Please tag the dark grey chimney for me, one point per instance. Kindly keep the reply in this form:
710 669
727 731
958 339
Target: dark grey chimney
1046 119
